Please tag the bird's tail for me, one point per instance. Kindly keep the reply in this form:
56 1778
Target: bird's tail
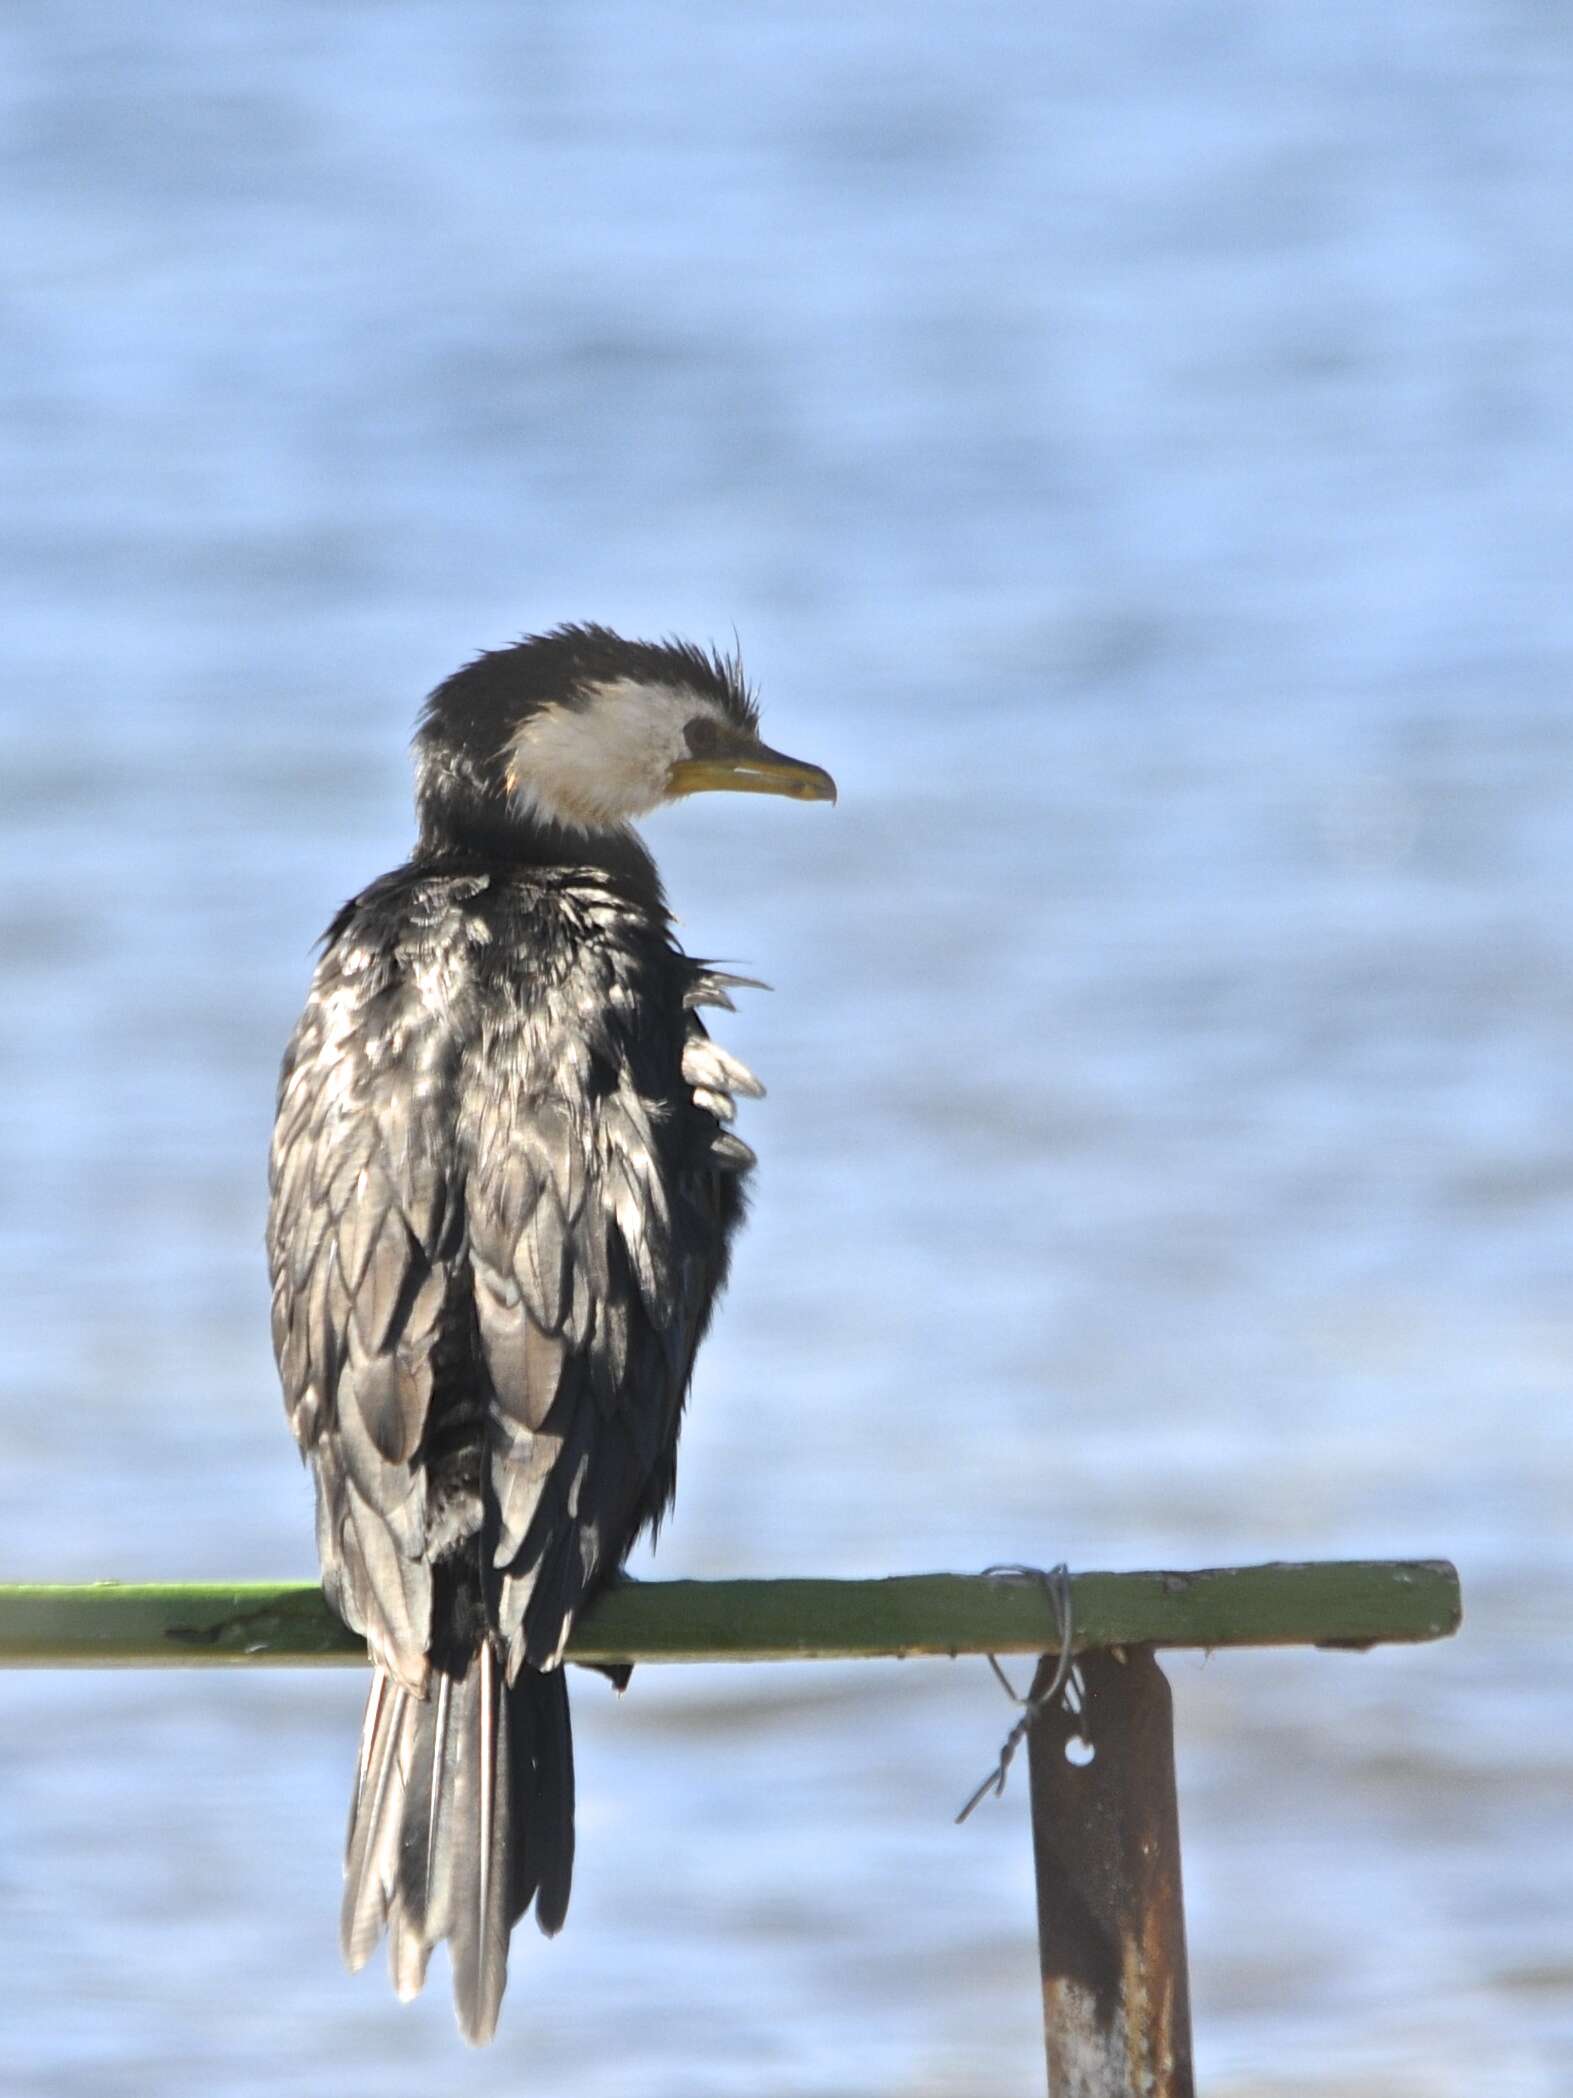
463 1813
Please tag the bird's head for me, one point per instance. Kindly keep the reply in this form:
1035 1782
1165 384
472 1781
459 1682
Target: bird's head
576 732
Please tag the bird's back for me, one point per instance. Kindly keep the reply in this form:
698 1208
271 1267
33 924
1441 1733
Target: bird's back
501 1196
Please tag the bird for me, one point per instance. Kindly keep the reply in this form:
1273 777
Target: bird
503 1186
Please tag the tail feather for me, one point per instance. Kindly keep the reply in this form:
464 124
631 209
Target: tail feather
543 1804
478 1940
425 1848
463 1814
371 1852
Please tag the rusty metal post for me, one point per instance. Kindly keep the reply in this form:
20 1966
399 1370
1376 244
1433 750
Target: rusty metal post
1111 1924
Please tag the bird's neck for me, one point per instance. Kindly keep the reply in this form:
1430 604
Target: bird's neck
490 830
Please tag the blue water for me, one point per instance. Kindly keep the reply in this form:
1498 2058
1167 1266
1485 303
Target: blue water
1134 447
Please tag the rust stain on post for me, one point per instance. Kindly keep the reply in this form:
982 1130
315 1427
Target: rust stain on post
1111 1923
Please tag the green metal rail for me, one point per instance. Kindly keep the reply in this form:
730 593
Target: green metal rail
1105 1820
1353 1603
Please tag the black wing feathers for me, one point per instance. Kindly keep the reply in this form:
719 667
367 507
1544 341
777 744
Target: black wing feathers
499 1220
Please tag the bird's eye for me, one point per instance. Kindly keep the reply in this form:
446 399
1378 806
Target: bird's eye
702 735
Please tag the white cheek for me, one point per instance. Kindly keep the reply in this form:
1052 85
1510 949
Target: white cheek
592 767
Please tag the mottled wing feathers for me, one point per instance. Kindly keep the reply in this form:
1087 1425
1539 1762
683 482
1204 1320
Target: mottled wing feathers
501 1196
584 1156
364 1234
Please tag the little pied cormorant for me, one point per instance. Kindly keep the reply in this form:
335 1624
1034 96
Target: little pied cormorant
503 1185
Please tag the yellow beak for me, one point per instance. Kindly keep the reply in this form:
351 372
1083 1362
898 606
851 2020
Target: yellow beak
755 770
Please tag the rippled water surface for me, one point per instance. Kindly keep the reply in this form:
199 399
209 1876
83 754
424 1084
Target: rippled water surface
1134 448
